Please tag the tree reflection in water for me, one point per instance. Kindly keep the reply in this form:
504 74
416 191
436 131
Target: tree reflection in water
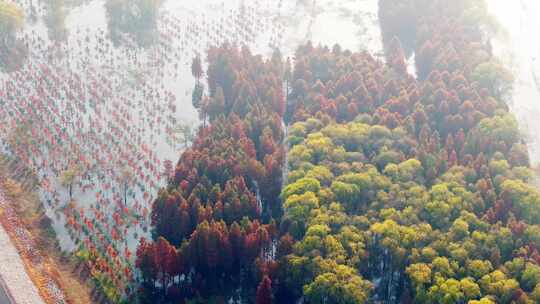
132 19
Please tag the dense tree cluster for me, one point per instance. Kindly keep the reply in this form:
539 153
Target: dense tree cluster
443 35
404 190
397 189
213 223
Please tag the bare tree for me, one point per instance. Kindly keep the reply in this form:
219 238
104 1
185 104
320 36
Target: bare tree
184 133
127 177
69 177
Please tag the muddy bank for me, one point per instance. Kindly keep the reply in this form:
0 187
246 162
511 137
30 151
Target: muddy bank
12 271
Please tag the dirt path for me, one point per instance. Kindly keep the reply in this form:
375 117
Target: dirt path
19 286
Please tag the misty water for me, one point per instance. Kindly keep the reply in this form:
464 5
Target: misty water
188 28
131 81
518 46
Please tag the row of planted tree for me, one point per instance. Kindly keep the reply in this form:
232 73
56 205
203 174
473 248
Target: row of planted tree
99 119
398 190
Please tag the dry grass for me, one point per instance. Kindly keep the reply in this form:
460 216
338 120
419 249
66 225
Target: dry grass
64 270
12 189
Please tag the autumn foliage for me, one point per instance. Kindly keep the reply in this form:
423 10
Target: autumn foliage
399 189
404 190
214 220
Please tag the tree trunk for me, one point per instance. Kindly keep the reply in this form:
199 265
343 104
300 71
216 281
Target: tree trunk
125 195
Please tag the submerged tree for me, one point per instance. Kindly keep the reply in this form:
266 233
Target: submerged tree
55 20
216 208
69 177
397 190
126 177
196 68
184 133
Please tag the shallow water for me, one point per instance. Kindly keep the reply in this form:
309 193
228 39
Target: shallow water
184 31
519 48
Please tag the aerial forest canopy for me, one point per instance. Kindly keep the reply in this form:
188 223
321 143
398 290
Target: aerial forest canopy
214 222
387 189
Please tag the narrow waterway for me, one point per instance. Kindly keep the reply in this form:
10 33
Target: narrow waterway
518 47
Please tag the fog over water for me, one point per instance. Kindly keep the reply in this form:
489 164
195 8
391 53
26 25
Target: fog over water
184 29
107 99
188 29
519 48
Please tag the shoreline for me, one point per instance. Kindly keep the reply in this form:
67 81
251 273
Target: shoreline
58 279
19 288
